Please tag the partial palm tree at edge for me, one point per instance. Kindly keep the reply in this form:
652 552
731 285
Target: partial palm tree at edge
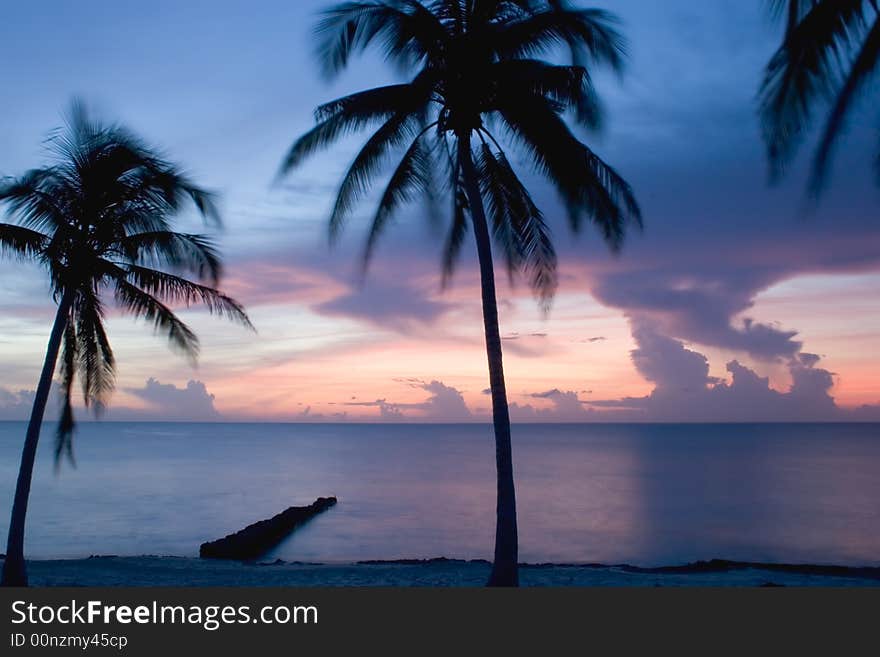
828 57
99 218
475 78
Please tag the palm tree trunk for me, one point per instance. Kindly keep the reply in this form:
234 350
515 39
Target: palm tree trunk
14 573
504 569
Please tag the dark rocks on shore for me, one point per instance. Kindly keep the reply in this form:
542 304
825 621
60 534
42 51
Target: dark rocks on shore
255 540
723 566
433 561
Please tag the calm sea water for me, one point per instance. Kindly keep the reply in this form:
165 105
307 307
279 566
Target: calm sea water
642 494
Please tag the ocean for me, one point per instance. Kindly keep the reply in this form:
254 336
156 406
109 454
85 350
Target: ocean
643 494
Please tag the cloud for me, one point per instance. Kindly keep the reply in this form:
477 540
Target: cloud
666 362
566 407
445 404
684 391
16 404
401 295
165 401
701 307
517 336
386 305
307 415
387 410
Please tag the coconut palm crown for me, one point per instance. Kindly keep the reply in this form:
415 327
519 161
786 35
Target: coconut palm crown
477 86
99 220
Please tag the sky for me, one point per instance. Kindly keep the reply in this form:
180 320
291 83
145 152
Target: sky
738 301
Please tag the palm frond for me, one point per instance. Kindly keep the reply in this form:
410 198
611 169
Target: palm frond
500 201
22 241
142 304
351 114
411 179
194 254
590 34
175 290
518 225
205 201
611 202
571 86
864 67
792 10
407 31
805 70
458 230
96 365
587 185
66 424
109 167
37 198
356 182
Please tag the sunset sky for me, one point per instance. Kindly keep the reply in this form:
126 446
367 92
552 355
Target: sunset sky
739 301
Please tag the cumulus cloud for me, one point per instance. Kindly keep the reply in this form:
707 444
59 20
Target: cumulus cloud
684 391
700 307
445 404
15 404
567 407
666 362
165 401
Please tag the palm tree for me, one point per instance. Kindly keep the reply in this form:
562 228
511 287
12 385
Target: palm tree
99 218
473 72
828 57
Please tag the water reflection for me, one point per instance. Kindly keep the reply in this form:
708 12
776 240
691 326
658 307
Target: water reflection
645 494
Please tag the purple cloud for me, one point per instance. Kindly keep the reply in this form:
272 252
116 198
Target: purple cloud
15 404
700 307
386 305
165 402
445 404
684 391
168 402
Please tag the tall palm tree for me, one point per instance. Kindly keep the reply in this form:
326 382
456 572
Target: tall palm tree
828 57
99 218
475 77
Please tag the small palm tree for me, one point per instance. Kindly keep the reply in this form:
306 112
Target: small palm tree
829 55
99 218
475 78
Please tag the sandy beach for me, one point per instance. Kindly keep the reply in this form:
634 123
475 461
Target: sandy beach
182 571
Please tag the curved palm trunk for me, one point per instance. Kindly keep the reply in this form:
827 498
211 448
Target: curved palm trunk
504 569
14 573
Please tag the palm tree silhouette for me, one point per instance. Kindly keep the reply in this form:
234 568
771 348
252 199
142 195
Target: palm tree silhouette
828 56
101 217
475 71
